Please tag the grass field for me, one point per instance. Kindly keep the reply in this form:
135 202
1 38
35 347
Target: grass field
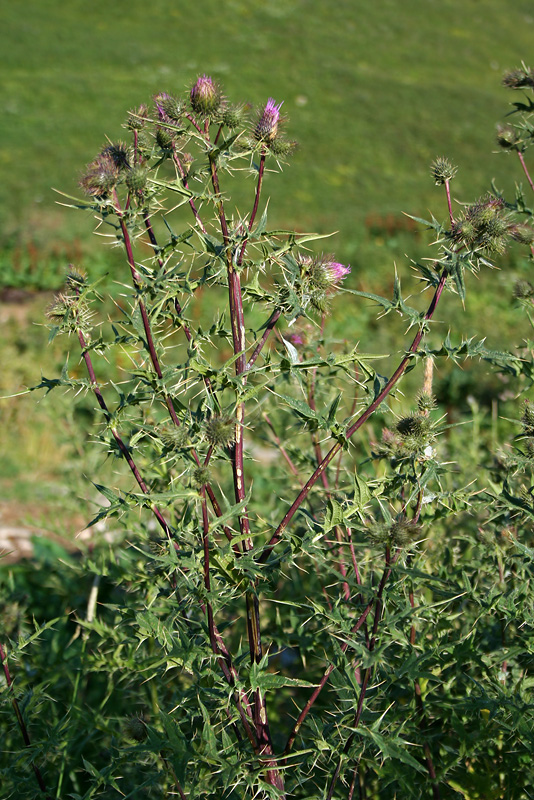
373 93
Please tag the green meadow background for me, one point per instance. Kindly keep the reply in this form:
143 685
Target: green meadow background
373 92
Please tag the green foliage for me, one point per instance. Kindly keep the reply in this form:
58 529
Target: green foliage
307 584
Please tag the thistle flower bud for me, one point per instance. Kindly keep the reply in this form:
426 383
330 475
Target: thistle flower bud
522 233
174 438
135 728
442 171
220 430
416 426
164 137
508 137
528 445
523 290
205 96
426 402
202 476
233 116
519 79
485 226
136 178
169 108
137 118
100 176
76 279
399 533
266 129
527 420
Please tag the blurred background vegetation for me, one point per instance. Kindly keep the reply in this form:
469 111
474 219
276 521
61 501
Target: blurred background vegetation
373 93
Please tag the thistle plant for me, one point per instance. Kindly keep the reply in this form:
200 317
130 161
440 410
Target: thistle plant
306 595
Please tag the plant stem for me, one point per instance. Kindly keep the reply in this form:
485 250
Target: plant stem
20 720
525 169
273 775
271 322
357 424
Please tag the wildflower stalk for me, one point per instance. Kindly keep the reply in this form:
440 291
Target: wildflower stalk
20 720
273 776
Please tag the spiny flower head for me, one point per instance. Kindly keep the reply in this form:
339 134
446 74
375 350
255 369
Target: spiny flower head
169 108
205 96
522 233
484 226
100 176
119 154
523 290
323 272
527 420
220 430
135 728
442 171
519 78
175 438
508 137
397 533
266 129
137 118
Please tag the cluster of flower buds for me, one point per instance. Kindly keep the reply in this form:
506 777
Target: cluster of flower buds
485 226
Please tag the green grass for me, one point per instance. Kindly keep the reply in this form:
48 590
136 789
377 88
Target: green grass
373 92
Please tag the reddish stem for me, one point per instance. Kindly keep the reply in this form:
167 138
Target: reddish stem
20 720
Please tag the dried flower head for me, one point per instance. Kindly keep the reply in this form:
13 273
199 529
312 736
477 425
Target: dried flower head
119 154
266 129
442 171
206 98
519 78
100 176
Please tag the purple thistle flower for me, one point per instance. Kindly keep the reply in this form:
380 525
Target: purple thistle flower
205 96
335 272
266 128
